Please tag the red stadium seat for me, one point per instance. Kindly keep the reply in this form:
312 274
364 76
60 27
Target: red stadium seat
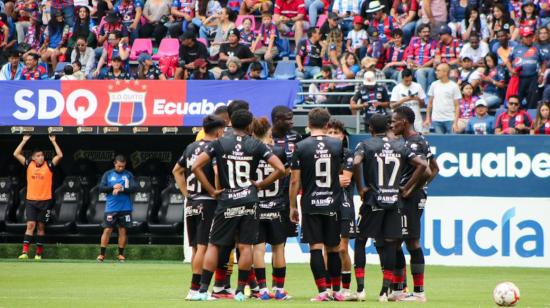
168 47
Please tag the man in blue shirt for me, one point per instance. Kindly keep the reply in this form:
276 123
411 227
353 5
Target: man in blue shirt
482 123
118 184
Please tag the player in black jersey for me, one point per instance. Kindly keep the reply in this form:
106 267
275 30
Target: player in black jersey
347 212
316 166
382 162
273 224
285 137
200 205
237 158
403 125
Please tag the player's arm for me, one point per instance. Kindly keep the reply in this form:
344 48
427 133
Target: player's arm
295 183
434 168
358 172
58 153
279 172
202 160
104 184
420 167
18 151
179 175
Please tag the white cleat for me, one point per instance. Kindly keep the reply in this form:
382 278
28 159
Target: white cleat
348 296
191 294
415 297
383 298
361 296
397 296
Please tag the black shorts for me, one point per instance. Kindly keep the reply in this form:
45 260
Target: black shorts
290 227
348 228
413 209
235 224
378 223
320 228
117 219
272 228
198 219
39 211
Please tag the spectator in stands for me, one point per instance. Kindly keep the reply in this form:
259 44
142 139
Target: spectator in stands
4 33
347 68
65 8
443 110
368 64
514 7
544 12
371 98
189 51
112 24
503 48
434 13
395 56
234 49
356 41
333 22
83 27
316 90
156 13
13 69
33 36
473 23
224 24
482 123
247 33
332 47
514 120
447 50
85 55
100 9
265 47
116 71
468 74
466 106
207 15
201 70
409 93
493 81
420 57
405 13
56 37
475 49
38 201
130 12
457 14
234 70
77 71
115 48
528 18
182 13
23 10
147 69
249 7
308 59
383 23
118 183
541 125
32 70
375 48
527 62
9 37
500 20
346 10
255 71
290 16
543 42
68 73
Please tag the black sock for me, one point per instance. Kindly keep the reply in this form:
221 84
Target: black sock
360 261
243 279
206 277
120 251
346 280
102 251
278 276
252 282
317 264
39 244
335 270
417 269
399 271
223 259
260 277
27 239
388 259
195 282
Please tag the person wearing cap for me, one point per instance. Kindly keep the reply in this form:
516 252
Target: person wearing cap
405 12
443 111
468 73
290 16
448 48
65 8
13 69
130 12
475 49
372 98
32 70
382 22
189 51
147 69
514 120
529 64
420 57
112 24
481 123
116 48
357 38
308 58
395 56
333 22
527 19
409 93
200 71
116 71
235 49
346 11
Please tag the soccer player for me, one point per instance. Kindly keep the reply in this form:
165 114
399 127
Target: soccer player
200 205
273 224
413 207
382 162
39 193
237 158
316 166
347 213
118 183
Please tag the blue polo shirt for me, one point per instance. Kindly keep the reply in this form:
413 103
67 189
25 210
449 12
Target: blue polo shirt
122 202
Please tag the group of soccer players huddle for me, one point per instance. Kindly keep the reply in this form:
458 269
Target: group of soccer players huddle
242 178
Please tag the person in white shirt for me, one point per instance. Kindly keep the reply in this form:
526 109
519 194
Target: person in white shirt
355 41
410 94
443 108
475 49
468 73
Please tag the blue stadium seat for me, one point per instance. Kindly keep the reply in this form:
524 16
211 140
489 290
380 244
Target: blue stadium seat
284 47
532 113
265 70
285 70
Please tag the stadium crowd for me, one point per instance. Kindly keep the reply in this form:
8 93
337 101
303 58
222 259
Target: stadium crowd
468 58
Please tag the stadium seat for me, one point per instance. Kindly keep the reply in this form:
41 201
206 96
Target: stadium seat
170 216
284 47
141 45
60 69
69 199
168 47
321 20
6 200
532 113
94 213
241 18
143 199
265 70
285 70
19 225
203 41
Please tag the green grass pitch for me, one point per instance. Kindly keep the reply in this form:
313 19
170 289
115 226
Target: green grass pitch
53 283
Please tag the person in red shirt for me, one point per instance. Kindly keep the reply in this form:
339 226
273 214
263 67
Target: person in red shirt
290 16
514 121
32 70
541 125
